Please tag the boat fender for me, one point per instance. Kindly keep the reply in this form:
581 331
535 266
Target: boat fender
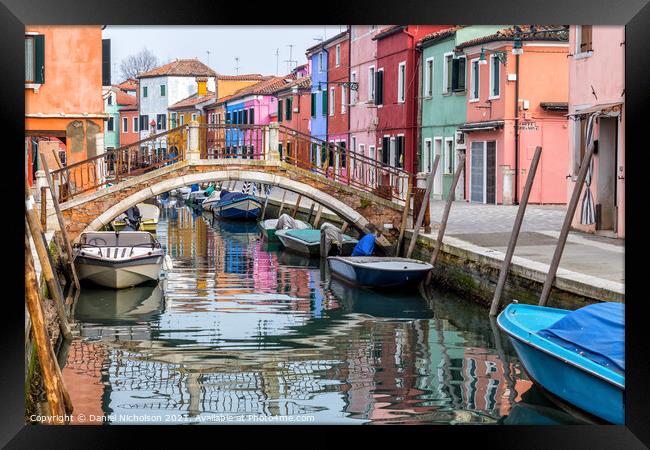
167 263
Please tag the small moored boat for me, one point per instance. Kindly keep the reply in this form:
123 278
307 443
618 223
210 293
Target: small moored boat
149 215
118 260
377 271
237 205
307 242
268 228
576 356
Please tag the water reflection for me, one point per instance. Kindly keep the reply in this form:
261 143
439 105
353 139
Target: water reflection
241 327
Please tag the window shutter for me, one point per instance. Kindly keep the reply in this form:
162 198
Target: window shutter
39 59
585 42
245 117
461 74
164 121
385 142
313 104
379 88
251 116
454 74
288 111
324 103
280 110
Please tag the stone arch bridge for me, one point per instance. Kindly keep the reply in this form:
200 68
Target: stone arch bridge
342 189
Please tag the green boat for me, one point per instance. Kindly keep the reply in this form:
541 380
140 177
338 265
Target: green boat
268 228
307 242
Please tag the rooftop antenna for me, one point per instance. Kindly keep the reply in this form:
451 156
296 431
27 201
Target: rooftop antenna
236 65
277 61
290 61
208 52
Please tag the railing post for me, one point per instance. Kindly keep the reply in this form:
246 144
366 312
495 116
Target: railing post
193 150
271 145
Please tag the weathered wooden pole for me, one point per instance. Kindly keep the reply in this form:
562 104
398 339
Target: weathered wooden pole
284 194
266 202
423 209
445 215
318 213
44 207
505 267
296 207
344 228
53 381
59 216
405 215
311 211
566 226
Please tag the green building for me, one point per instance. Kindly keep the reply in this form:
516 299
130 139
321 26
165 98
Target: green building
112 125
443 104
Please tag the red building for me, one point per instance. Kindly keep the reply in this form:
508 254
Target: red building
338 100
396 90
129 129
295 99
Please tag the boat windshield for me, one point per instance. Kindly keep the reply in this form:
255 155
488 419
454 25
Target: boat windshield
124 239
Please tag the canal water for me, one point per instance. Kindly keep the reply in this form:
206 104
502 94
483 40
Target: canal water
240 331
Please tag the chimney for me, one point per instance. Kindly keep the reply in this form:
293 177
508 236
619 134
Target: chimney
202 83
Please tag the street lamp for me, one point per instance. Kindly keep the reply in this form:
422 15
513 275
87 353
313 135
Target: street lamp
517 49
503 56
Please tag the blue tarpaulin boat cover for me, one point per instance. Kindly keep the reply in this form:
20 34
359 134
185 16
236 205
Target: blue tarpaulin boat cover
596 331
195 187
228 197
365 246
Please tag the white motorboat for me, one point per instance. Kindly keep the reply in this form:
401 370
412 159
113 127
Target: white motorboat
118 260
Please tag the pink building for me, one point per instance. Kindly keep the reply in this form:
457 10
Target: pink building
363 66
514 104
597 85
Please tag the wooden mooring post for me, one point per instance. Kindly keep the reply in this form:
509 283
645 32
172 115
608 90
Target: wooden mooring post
49 272
284 195
311 211
266 202
59 216
44 207
505 267
296 207
445 215
423 207
318 214
566 226
405 215
56 393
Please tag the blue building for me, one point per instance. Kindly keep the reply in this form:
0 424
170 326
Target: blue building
317 56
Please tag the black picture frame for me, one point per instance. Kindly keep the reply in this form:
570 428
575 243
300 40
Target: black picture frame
634 14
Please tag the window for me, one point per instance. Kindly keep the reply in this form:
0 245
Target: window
173 117
240 116
584 38
399 151
125 125
280 103
182 119
494 77
475 78
379 87
145 91
371 83
228 120
331 101
458 75
289 107
245 122
324 100
109 99
343 100
321 62
401 82
35 59
144 122
161 122
353 93
135 124
344 158
338 55
251 116
193 117
385 144
447 69
449 153
162 90
313 104
427 157
428 77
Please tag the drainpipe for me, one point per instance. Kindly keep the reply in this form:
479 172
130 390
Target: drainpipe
516 196
418 129
349 108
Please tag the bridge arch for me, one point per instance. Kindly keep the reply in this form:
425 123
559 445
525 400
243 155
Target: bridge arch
347 213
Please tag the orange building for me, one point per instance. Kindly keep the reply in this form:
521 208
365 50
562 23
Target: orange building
63 92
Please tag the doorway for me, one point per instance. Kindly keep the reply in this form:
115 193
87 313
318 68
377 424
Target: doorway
606 208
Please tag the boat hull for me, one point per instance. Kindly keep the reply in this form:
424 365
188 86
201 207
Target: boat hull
119 275
268 231
347 270
311 250
247 209
564 379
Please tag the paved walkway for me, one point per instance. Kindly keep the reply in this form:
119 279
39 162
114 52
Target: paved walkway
489 226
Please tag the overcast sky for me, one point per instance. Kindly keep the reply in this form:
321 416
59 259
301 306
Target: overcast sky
255 46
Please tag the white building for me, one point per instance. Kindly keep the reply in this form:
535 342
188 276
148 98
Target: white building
165 85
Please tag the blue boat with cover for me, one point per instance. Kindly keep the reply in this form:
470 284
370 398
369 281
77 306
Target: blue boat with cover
576 356
237 205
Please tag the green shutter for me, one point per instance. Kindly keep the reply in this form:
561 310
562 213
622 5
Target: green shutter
279 110
39 59
324 103
289 109
313 104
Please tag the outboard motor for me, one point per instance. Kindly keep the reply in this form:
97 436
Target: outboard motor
133 219
330 234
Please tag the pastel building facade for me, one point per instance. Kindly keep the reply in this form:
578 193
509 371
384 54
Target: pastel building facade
363 113
338 73
597 84
112 109
443 91
64 108
318 65
514 104
128 117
